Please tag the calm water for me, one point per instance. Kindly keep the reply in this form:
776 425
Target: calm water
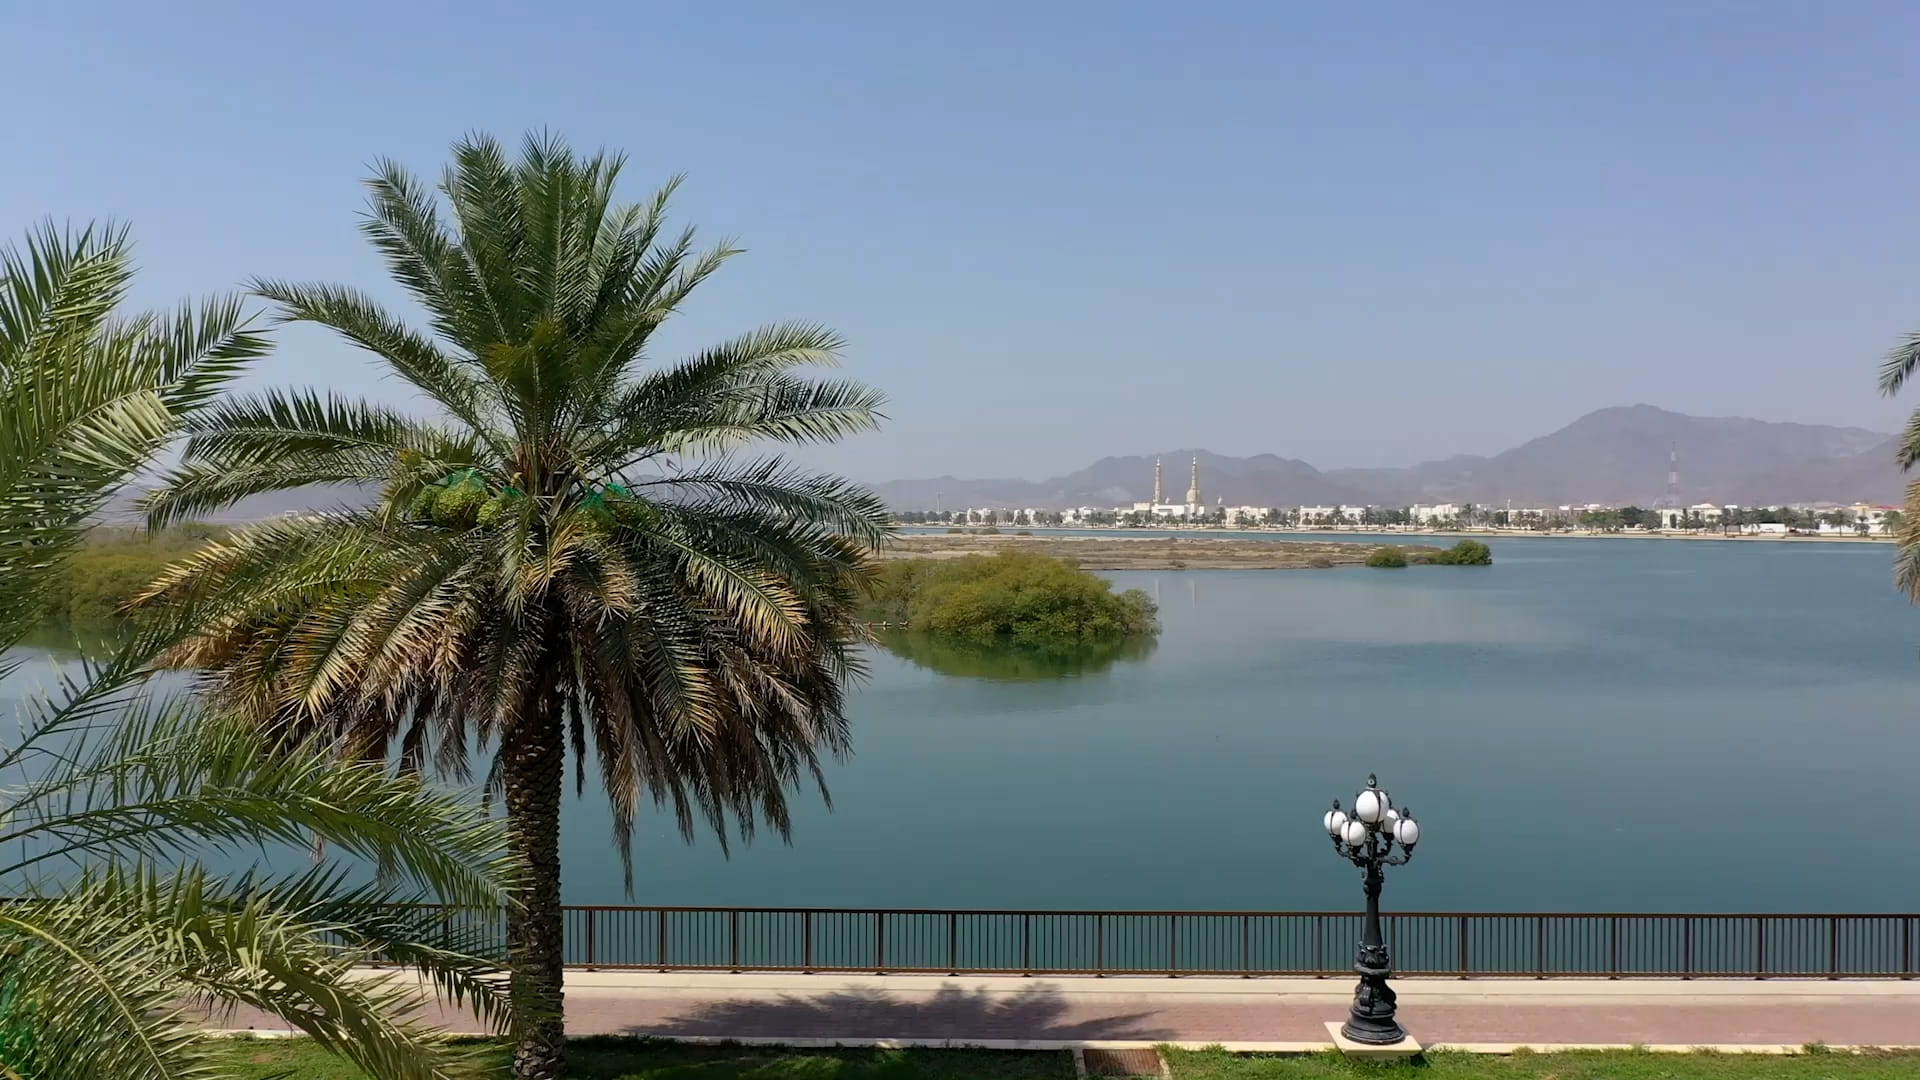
1586 725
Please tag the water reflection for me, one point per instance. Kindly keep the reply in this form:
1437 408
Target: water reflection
1013 663
84 640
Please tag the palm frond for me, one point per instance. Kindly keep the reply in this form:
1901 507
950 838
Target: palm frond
1898 364
59 289
1906 562
483 191
80 1003
168 780
288 946
98 971
278 440
733 394
403 222
445 380
198 352
1908 450
274 423
200 487
770 486
85 400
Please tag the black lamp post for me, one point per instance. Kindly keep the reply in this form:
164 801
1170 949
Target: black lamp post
1368 838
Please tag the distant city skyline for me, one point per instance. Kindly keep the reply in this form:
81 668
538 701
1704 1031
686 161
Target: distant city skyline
1366 237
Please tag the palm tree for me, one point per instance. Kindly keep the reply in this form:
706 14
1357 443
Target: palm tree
568 554
1895 369
107 793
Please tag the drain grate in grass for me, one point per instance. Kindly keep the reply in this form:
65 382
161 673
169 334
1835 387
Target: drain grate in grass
1123 1063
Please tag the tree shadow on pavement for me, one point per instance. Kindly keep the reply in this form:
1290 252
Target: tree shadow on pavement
951 1012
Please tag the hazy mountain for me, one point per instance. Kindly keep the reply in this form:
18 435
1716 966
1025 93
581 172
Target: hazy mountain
1868 476
1451 480
1617 455
1621 455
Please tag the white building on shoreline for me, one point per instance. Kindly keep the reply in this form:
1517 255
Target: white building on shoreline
1672 517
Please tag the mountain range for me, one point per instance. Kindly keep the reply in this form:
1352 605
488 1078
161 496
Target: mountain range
1614 456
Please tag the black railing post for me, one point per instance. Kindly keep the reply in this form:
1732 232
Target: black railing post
589 937
1759 947
1465 965
733 940
1246 952
880 943
1173 944
806 941
1026 944
1099 944
1540 945
1906 947
953 943
1320 943
663 939
1686 948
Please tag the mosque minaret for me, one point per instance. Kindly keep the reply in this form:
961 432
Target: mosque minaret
1190 510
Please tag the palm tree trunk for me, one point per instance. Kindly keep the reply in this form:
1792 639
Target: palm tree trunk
534 772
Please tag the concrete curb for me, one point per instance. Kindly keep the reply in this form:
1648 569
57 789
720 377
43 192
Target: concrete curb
1240 1047
1533 991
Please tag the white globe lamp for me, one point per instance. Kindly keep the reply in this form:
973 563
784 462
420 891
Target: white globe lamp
1335 821
1407 832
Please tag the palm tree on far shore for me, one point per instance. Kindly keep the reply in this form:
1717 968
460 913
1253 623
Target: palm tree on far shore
567 555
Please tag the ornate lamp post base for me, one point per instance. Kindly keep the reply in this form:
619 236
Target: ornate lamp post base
1371 1018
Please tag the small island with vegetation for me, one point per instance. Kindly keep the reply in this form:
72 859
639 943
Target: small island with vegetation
1464 553
1015 597
1011 616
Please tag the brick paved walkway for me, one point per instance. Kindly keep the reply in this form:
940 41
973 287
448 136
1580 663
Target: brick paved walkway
1276 1014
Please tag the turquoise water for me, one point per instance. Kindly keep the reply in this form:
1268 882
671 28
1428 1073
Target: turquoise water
1586 725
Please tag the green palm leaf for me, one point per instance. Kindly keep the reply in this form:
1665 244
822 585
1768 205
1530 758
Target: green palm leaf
101 957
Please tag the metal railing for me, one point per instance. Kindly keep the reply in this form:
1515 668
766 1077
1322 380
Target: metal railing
1240 943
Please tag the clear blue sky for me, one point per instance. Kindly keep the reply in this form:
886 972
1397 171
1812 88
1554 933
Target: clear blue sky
1058 230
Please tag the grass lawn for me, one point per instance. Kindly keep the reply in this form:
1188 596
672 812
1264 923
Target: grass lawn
630 1059
1592 1065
